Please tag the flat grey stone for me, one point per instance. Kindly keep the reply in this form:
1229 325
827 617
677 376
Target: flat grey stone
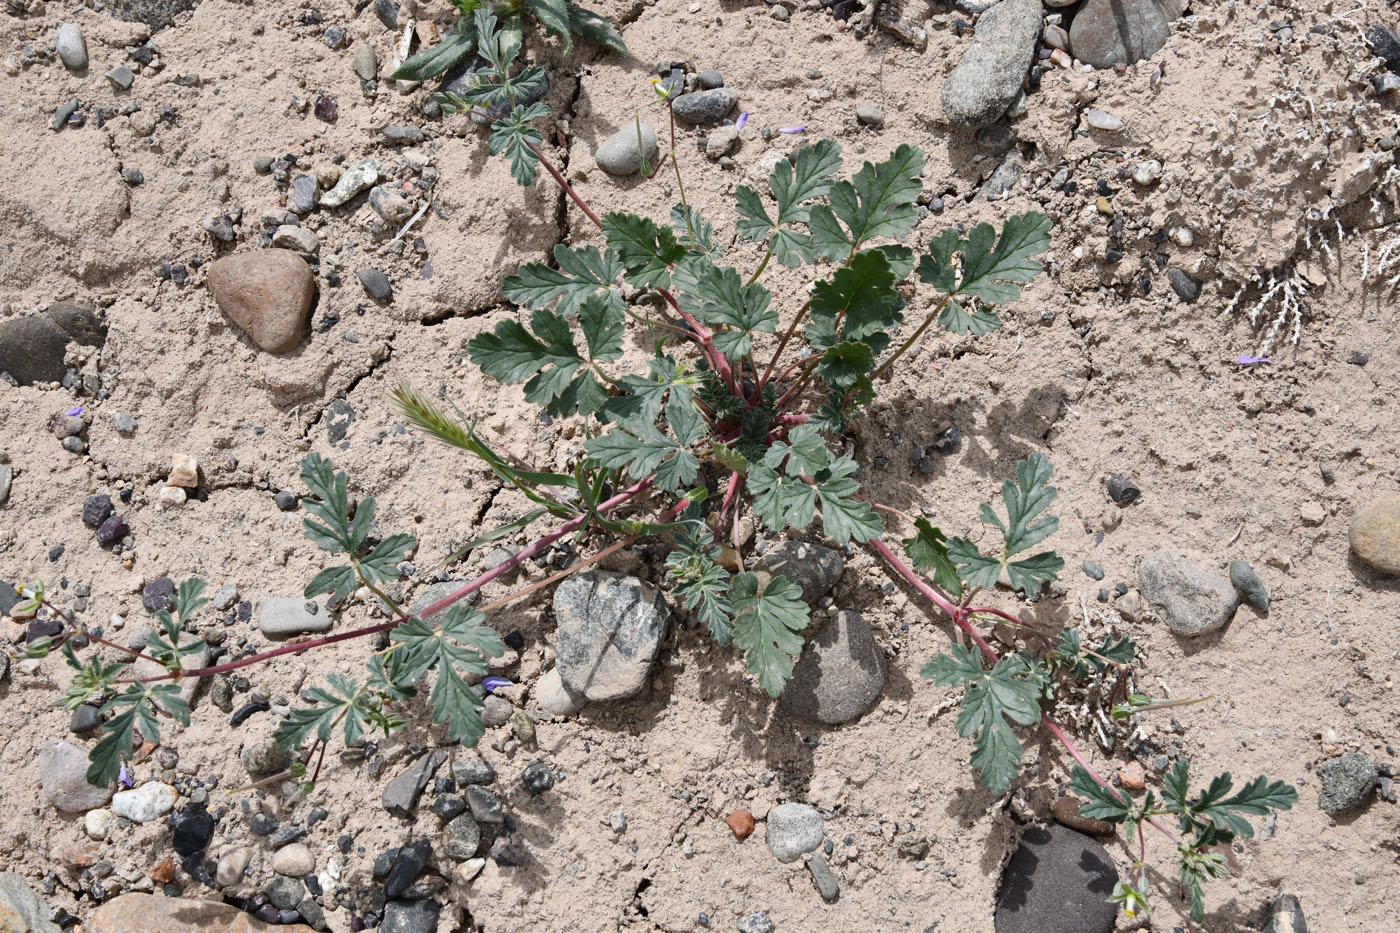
72 50
472 770
121 77
794 829
401 795
364 62
840 674
815 568
62 776
1347 782
420 916
283 616
1187 287
1058 881
823 878
619 154
1105 32
21 910
988 78
1190 600
610 630
486 807
705 106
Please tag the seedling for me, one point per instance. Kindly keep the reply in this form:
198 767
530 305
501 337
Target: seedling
702 436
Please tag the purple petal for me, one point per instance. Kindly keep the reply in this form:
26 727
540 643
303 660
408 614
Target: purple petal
793 129
494 683
124 777
1247 360
743 118
75 411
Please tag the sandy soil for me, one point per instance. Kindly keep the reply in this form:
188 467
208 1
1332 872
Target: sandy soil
1269 150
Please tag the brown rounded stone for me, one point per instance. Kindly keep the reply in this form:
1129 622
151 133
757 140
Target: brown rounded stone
267 293
1375 534
741 822
1066 811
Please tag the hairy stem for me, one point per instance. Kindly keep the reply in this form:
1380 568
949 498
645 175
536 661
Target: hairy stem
913 338
782 344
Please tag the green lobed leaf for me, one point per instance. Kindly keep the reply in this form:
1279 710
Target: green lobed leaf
928 550
725 301
1025 499
554 16
991 266
514 136
601 321
1101 803
646 250
956 319
694 573
766 627
341 704
583 272
860 299
645 452
1009 691
457 647
780 500
795 183
329 527
844 517
878 201
804 452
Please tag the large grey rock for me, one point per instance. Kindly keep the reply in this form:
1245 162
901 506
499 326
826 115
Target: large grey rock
621 154
21 910
62 775
1057 882
610 630
794 829
32 346
705 106
815 568
988 77
1190 600
840 674
1105 32
1375 534
401 796
1346 783
283 616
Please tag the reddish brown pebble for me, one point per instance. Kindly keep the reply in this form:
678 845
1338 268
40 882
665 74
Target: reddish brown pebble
1066 812
1132 776
163 871
741 822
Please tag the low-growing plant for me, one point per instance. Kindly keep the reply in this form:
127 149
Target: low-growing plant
726 418
562 18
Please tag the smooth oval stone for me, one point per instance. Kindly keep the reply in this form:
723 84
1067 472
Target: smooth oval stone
1375 534
619 154
705 106
988 77
267 293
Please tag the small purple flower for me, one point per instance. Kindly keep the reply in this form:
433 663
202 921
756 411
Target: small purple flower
124 777
793 129
743 118
1247 360
75 411
493 683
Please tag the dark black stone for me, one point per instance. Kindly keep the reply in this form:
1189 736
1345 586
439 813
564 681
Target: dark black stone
96 509
947 440
1187 288
192 828
262 824
256 705
32 347
514 640
43 628
1112 256
446 806
84 719
508 854
9 597
412 859
283 891
1386 45
112 530
1359 359
1057 882
388 13
154 13
1123 490
156 594
537 777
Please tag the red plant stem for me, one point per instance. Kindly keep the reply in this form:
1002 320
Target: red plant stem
79 630
1012 619
729 495
505 567
564 184
881 548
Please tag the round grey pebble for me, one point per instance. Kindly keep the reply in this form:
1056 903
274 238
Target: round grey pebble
709 79
1093 571
705 106
794 829
537 777
286 500
756 922
1122 490
619 154
1347 782
376 283
867 114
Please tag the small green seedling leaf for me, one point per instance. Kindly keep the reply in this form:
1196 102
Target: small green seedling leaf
514 136
1025 499
1101 803
928 549
693 569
